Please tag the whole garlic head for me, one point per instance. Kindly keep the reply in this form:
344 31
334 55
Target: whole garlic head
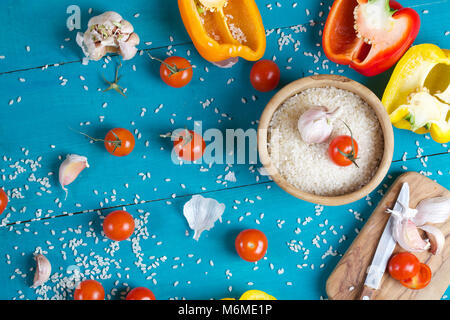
108 32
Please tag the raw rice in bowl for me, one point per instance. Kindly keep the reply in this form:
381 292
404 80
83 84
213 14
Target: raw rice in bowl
308 166
306 170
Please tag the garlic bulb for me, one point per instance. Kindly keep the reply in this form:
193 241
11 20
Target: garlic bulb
201 214
70 169
108 32
433 210
314 125
43 270
436 238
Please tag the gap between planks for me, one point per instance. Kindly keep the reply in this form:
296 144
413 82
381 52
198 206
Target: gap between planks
185 43
135 204
52 65
171 198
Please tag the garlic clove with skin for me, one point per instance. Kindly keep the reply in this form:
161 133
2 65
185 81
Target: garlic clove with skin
436 238
70 169
201 213
432 210
43 270
314 125
407 235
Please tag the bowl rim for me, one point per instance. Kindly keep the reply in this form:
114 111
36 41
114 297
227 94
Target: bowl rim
340 82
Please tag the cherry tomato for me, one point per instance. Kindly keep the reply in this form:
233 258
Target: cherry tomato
176 71
265 75
119 142
89 290
189 145
343 151
3 200
118 225
140 293
420 280
403 265
251 245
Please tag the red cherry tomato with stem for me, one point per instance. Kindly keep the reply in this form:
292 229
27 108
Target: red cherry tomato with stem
118 225
175 71
265 75
140 293
188 145
251 245
420 280
118 141
343 150
3 200
403 265
89 290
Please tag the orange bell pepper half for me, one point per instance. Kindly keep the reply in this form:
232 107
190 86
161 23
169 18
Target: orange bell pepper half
233 29
369 35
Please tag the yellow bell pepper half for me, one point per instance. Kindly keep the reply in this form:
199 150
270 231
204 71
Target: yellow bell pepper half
417 96
227 29
254 295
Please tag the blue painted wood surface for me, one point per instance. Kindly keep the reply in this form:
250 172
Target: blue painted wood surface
37 115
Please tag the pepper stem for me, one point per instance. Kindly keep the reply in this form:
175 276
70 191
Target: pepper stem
386 5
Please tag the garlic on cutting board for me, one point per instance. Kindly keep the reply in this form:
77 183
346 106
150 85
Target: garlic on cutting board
201 213
108 32
432 210
406 225
436 238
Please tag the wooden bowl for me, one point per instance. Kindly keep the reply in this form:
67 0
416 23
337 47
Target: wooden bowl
325 81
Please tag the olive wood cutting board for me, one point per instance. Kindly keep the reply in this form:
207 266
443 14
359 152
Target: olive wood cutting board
346 282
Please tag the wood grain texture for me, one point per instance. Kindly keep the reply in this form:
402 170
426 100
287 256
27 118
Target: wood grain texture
347 279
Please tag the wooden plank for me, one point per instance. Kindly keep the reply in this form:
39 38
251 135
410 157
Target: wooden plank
71 106
158 23
351 269
306 241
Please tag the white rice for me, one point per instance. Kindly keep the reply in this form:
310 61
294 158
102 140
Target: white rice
308 167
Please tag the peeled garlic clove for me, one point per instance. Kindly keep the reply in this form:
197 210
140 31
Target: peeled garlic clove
201 214
314 126
436 237
432 210
43 270
407 235
70 169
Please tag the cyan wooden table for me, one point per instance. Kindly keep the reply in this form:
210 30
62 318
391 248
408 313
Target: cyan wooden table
45 90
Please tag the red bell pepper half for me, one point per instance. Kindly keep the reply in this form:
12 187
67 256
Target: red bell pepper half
369 35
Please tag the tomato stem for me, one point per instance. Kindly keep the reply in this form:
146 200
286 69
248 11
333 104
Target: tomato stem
114 85
351 155
117 143
172 68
